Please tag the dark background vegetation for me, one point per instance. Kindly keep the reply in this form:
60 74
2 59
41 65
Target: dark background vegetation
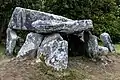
104 13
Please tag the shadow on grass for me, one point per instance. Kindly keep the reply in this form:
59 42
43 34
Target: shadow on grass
117 47
2 50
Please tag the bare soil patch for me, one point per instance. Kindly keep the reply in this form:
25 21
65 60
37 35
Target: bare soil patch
79 68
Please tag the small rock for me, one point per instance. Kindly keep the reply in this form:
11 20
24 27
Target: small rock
103 50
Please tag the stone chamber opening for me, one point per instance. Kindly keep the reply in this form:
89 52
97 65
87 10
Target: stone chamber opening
76 46
22 37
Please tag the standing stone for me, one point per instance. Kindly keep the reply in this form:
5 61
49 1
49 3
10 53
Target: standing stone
29 48
10 41
55 50
107 42
94 49
92 46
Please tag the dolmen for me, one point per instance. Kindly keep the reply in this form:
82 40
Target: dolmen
50 35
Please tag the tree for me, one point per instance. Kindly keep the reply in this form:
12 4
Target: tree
6 9
104 13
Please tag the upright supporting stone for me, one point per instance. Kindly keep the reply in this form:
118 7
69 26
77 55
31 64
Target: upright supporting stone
55 50
107 42
94 49
29 48
46 23
93 46
10 41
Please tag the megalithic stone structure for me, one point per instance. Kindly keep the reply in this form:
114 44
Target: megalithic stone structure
53 46
41 22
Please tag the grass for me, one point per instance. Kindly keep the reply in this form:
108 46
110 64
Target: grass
73 73
117 47
1 49
79 69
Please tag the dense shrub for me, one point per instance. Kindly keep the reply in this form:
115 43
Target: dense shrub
104 13
6 9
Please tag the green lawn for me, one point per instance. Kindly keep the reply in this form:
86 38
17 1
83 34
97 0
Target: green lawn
117 47
1 50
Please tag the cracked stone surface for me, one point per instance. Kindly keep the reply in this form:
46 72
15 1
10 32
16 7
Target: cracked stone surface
29 48
55 50
41 22
10 41
103 50
93 46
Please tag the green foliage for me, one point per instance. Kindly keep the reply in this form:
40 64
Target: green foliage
6 9
104 13
1 50
117 47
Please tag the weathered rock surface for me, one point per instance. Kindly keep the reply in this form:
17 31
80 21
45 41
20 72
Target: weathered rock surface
107 42
48 26
26 19
55 50
29 48
102 50
94 49
10 41
92 46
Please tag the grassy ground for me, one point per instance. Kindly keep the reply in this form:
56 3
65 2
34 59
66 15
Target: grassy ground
2 49
117 47
79 68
